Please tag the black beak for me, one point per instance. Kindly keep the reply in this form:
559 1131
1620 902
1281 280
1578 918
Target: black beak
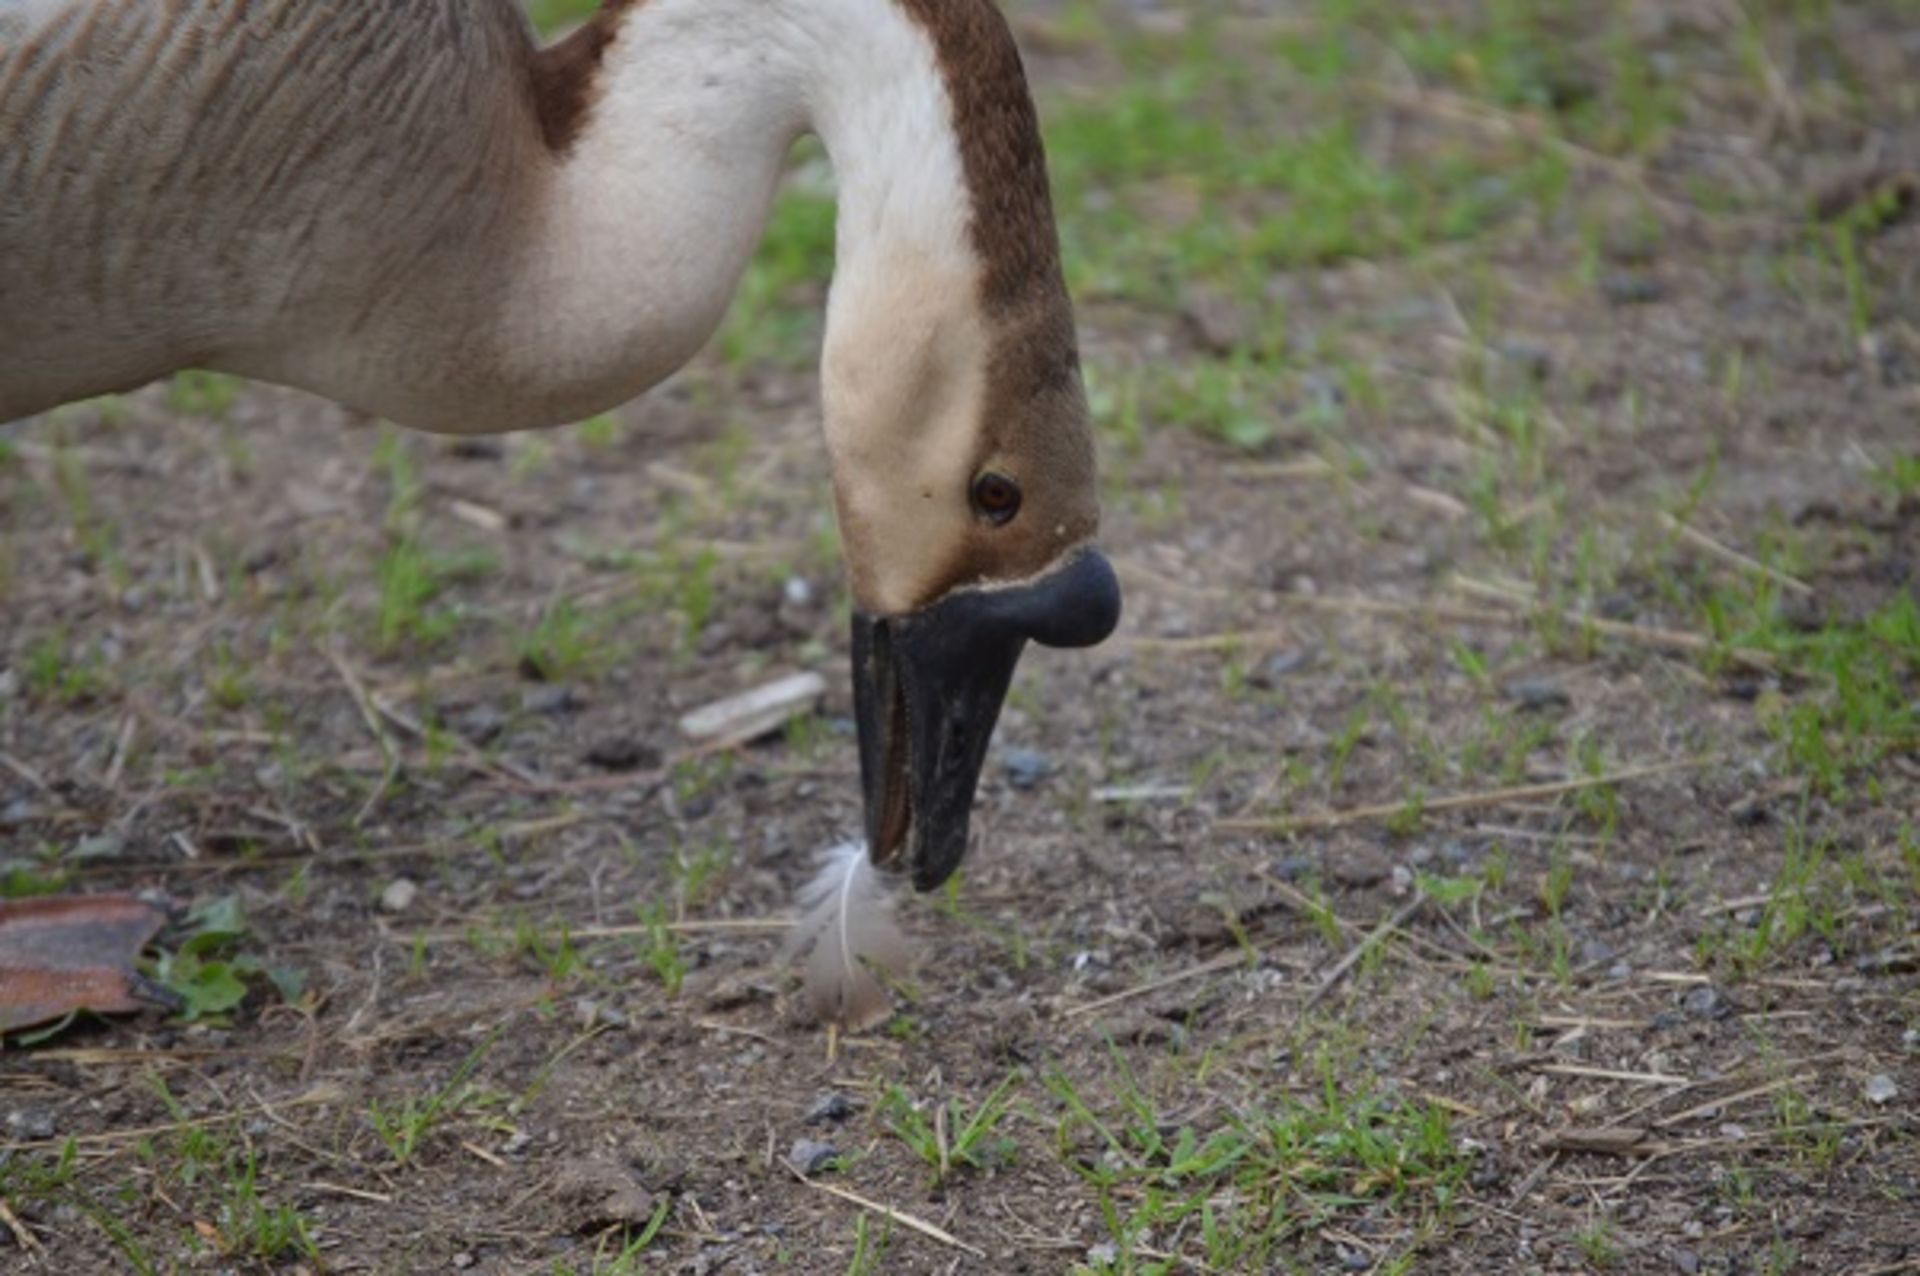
927 689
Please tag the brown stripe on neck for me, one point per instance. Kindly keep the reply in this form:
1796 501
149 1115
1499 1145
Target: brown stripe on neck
1000 150
564 75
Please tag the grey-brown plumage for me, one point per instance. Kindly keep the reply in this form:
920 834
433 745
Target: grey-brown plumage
849 932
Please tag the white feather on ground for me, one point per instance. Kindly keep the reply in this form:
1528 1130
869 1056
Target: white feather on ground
847 924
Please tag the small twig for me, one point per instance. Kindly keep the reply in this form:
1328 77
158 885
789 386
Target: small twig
1455 801
371 717
22 1235
474 1149
1716 1105
694 926
25 772
1354 955
1534 1176
919 1225
1301 902
1225 961
731 1030
1737 904
1700 540
1508 618
121 746
320 1094
1307 467
1247 639
1611 1074
1644 635
321 1185
1606 1141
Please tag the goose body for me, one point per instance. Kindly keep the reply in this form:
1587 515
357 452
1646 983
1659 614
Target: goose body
412 207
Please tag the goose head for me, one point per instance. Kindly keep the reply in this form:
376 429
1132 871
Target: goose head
965 485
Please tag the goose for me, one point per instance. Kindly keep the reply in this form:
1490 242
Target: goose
414 208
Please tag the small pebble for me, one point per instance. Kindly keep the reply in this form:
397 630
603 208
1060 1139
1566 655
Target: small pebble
1294 867
1706 1002
1025 768
1888 961
832 1106
30 1123
797 591
1628 288
101 846
399 895
1360 869
622 753
464 1260
1684 1259
482 724
594 1014
1280 664
1538 693
552 700
1533 357
810 1156
517 1142
1880 1089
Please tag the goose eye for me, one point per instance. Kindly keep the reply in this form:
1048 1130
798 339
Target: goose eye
996 497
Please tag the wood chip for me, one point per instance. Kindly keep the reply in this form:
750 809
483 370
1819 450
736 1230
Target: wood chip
1605 1141
755 713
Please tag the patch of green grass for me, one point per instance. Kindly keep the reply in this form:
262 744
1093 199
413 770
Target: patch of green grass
412 579
659 947
952 1135
618 1254
196 392
97 536
1599 1244
775 314
867 1250
1900 475
1852 700
247 1226
220 1176
599 432
227 682
1206 165
403 1126
58 668
566 643
548 14
1235 400
549 948
1264 1175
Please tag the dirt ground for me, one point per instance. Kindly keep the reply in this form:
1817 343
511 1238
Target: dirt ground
1491 845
